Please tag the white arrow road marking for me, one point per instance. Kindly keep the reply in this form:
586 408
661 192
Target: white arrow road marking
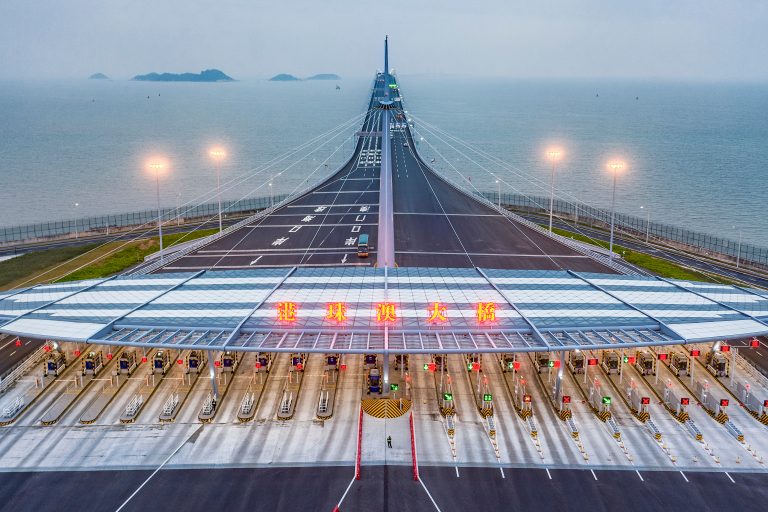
257 259
344 259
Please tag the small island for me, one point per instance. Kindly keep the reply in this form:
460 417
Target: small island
325 76
283 77
209 75
98 76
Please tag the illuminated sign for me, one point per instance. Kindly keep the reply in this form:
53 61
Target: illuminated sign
394 387
754 343
527 399
725 348
47 348
487 397
486 312
645 400
144 359
516 365
286 311
217 363
109 355
337 311
18 342
77 353
685 401
343 366
385 312
629 359
257 365
437 313
179 361
430 366
662 356
299 366
695 352
566 399
724 402
447 396
592 362
607 400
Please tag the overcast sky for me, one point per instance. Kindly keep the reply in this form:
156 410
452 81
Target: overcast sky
652 39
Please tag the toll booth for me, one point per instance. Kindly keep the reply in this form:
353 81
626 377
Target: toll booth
332 361
161 363
369 361
718 364
55 363
263 362
507 362
298 362
229 361
541 361
599 400
679 364
472 362
638 403
127 362
439 361
401 362
576 362
93 363
610 363
645 362
374 382
195 362
677 404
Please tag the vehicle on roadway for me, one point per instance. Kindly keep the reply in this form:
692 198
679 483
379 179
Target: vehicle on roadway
362 246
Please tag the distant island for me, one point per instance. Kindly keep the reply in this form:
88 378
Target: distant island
209 75
98 76
283 77
324 76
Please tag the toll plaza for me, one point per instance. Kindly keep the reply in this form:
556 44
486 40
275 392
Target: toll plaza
222 373
157 364
92 367
110 385
188 370
251 390
290 394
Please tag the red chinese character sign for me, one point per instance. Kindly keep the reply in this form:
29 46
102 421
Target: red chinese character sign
337 312
486 312
437 313
286 311
386 312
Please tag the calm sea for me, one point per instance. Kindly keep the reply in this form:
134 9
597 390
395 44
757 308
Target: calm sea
697 154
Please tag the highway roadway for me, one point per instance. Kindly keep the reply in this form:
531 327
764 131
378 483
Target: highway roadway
12 354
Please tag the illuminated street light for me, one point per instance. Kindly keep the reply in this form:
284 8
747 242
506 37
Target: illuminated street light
498 196
615 166
218 155
157 167
554 155
77 234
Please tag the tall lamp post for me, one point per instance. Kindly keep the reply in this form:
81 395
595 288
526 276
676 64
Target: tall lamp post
157 167
77 233
738 250
647 223
498 194
615 167
554 155
218 155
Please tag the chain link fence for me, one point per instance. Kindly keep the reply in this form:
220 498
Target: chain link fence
638 227
125 221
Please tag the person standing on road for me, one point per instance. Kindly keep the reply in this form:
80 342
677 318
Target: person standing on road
389 441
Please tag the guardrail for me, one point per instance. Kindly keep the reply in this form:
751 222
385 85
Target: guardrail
413 449
359 456
11 377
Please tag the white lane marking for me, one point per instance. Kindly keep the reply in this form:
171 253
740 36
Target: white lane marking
428 494
356 229
684 477
344 259
350 241
641 476
174 452
593 474
338 505
280 241
12 341
729 478
548 473
11 355
548 256
257 259
294 229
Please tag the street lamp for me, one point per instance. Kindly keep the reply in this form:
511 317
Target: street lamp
77 234
554 155
498 194
218 154
647 223
271 197
615 166
738 250
157 167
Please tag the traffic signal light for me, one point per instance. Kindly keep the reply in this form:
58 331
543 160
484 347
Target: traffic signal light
754 343
695 352
644 400
394 387
685 401
725 348
662 356
447 396
566 399
607 400
487 397
724 402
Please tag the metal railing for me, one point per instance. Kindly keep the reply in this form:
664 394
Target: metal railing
11 377
696 241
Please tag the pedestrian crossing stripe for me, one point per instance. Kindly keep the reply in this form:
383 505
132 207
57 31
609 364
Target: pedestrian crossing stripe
386 407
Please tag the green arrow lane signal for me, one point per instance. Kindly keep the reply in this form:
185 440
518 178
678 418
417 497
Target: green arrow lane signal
607 400
394 387
626 359
426 367
510 365
551 364
447 396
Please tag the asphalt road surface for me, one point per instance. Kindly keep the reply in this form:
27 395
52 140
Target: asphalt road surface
12 354
383 488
